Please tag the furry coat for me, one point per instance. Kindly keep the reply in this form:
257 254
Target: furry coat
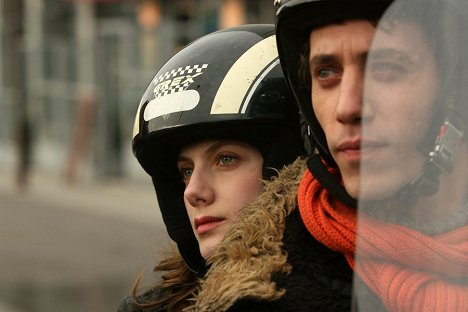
270 262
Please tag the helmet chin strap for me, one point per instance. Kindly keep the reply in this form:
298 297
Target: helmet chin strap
440 160
328 181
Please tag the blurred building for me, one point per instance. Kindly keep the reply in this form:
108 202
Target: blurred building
71 76
72 73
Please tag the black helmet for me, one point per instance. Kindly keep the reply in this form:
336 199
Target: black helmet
294 21
225 85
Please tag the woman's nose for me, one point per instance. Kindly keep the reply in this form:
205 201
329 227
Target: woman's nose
199 191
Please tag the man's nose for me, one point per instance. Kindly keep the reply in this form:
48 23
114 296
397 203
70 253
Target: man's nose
349 106
199 191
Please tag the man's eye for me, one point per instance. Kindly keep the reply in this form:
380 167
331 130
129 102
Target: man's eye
324 73
326 77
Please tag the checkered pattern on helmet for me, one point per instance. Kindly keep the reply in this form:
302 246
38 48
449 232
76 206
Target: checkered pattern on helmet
181 71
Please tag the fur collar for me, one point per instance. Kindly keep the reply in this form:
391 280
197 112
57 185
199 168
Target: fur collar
251 252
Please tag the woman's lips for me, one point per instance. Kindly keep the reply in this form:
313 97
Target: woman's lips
205 224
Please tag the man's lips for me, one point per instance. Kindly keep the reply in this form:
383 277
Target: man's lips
349 145
206 223
357 149
350 149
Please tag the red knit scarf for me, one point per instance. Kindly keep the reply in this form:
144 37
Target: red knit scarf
408 271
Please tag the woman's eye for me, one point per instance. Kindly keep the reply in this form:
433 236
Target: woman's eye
186 173
225 160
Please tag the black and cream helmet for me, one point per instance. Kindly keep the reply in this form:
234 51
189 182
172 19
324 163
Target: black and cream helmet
225 85
295 19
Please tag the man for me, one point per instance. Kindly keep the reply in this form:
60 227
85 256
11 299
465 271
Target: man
387 117
383 102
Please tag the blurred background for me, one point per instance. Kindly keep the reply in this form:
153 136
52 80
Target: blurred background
78 216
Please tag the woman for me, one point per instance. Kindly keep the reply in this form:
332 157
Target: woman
382 205
211 127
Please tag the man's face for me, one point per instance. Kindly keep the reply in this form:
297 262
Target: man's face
337 60
400 87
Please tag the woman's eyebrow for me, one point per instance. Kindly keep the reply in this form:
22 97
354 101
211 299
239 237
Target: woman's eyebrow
182 158
210 149
222 143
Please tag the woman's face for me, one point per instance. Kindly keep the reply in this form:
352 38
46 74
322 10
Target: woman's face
220 178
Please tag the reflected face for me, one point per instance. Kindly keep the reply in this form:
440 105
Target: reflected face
401 88
395 110
220 178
